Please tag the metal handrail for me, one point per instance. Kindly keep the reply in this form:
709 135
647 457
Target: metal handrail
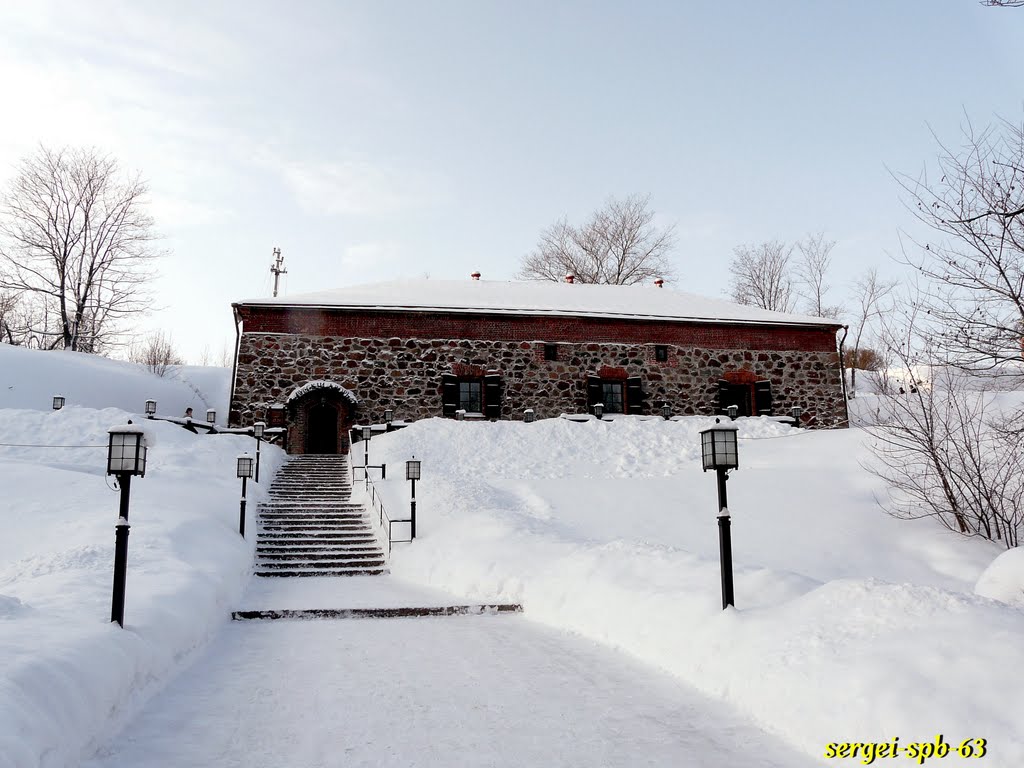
377 504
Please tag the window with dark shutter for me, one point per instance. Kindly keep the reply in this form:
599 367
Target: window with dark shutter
661 353
735 394
612 396
550 351
471 396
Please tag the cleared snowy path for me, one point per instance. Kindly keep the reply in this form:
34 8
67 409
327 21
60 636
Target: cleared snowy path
464 691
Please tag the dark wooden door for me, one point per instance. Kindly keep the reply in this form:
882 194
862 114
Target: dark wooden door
322 430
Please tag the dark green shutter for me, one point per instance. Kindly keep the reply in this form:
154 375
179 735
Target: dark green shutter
492 396
595 394
763 398
449 395
724 396
635 395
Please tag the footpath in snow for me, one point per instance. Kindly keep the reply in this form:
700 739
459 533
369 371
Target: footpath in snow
489 691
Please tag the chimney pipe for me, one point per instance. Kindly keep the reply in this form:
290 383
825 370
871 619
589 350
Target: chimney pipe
570 278
476 275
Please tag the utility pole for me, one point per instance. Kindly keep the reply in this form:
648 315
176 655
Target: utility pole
277 269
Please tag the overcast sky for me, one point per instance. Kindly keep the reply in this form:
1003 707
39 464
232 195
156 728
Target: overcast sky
391 139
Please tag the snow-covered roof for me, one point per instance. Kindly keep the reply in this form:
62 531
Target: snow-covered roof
641 302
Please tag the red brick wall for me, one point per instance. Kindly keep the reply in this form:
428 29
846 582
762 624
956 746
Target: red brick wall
428 325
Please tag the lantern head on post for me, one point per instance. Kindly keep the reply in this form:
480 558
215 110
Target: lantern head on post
367 433
529 416
244 465
258 429
796 412
732 411
460 415
666 411
412 469
151 408
58 402
389 416
211 415
718 445
126 451
599 410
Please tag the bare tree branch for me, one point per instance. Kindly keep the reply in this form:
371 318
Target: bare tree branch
76 247
760 276
618 245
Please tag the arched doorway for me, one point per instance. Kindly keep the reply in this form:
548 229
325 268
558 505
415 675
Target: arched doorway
322 429
319 417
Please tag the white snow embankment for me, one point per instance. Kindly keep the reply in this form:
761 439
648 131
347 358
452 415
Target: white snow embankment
29 378
851 626
1004 579
70 677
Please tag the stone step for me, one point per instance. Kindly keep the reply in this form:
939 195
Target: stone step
315 537
299 550
272 560
324 572
307 514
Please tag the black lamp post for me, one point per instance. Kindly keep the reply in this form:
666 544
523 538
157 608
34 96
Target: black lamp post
126 456
211 416
666 411
58 402
257 430
367 434
529 416
412 474
460 415
150 408
599 411
243 468
389 416
796 412
732 411
718 446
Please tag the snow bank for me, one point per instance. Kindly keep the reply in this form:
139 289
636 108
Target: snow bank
1004 579
71 678
850 625
30 377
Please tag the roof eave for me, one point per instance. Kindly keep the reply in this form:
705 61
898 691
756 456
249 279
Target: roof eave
542 313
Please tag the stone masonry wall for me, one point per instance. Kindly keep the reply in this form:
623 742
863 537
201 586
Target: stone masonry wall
405 375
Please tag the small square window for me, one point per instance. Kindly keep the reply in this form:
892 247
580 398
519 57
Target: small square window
661 353
550 351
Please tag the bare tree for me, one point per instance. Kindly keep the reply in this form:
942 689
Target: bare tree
8 310
760 276
974 267
619 245
870 294
811 271
940 447
77 245
1003 3
157 353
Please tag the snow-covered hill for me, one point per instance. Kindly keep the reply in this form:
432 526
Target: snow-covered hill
29 378
68 676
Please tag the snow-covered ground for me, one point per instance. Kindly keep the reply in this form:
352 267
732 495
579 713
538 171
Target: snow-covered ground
850 625
69 677
491 691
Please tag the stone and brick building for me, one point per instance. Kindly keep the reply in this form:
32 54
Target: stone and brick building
320 362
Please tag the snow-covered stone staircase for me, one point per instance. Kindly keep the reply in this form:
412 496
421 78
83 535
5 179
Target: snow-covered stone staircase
310 527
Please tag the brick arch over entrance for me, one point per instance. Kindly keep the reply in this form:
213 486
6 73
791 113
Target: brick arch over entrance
319 422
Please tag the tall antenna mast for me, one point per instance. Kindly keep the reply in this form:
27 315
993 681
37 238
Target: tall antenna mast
277 269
